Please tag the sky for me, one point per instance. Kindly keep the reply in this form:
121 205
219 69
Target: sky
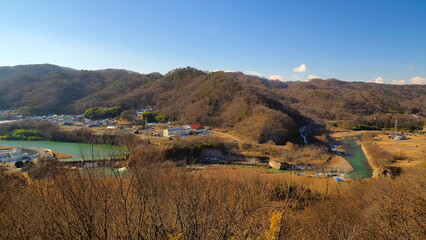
381 41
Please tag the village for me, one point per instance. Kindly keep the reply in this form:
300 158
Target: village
166 131
109 124
10 116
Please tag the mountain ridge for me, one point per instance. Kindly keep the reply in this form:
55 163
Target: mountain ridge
224 99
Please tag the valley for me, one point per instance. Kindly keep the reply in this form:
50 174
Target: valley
236 149
213 120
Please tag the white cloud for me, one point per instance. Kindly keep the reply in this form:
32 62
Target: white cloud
253 73
310 76
276 77
414 80
418 80
379 80
398 82
219 70
410 68
297 78
301 68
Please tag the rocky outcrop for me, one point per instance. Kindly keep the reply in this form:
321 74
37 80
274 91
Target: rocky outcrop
280 165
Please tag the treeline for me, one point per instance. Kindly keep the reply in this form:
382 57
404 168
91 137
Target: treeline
160 201
359 105
43 130
182 152
155 117
221 99
21 134
97 113
405 122
27 131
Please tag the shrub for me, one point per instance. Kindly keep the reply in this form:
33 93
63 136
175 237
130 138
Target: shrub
19 164
23 134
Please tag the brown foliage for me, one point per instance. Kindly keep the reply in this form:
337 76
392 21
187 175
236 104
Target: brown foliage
379 157
359 103
157 201
371 209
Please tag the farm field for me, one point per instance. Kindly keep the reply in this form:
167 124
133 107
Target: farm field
413 149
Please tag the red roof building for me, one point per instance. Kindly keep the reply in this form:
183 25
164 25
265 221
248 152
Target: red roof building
196 127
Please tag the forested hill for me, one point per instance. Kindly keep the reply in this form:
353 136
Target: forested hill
246 103
249 104
30 70
359 102
52 89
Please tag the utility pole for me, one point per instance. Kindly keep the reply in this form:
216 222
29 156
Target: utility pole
396 125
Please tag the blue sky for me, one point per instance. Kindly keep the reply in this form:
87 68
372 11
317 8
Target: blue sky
352 40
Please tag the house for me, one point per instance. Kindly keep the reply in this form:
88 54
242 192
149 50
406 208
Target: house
169 132
197 128
188 129
399 136
17 116
7 121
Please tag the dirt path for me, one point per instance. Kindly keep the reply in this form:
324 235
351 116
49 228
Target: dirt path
227 135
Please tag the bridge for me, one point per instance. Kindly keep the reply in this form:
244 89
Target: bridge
111 162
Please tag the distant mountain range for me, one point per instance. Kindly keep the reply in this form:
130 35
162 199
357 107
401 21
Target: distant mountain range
261 108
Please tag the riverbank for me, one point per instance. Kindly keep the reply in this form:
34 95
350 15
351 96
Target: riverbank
408 155
71 151
376 169
338 136
339 164
60 156
354 157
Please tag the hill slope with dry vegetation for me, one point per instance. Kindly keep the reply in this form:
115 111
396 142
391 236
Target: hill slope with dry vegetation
359 102
255 107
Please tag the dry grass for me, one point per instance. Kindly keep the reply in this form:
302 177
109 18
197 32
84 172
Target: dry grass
412 150
393 156
62 155
158 201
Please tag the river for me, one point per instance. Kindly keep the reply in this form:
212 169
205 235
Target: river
357 159
79 151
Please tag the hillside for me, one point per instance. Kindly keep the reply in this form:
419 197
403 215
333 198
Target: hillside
52 89
217 99
225 99
117 92
186 95
359 102
36 70
255 107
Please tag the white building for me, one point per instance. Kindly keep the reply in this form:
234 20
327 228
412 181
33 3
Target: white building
175 132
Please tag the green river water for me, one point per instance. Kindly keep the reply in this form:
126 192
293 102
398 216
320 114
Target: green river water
357 159
80 151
